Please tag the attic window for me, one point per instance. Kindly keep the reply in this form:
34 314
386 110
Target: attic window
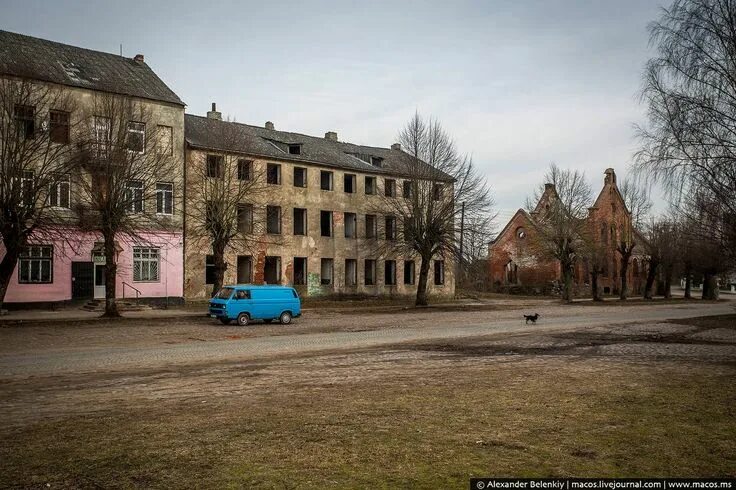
295 149
376 161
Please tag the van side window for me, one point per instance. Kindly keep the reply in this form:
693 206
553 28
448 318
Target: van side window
242 294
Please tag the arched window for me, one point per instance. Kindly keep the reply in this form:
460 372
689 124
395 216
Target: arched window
635 266
512 272
613 234
604 233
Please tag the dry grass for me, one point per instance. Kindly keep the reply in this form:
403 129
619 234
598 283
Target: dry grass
412 421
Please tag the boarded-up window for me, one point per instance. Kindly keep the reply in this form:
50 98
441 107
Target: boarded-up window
273 220
351 272
371 226
245 218
351 225
369 275
370 185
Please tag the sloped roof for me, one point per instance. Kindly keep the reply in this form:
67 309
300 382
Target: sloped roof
520 212
213 134
33 58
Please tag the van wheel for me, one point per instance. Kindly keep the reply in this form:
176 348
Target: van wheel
225 321
243 319
285 318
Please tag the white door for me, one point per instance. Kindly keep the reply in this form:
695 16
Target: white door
99 277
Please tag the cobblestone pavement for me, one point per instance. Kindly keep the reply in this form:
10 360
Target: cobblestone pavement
111 347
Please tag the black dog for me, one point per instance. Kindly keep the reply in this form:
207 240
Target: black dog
531 318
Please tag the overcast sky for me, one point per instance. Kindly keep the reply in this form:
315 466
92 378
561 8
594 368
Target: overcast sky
519 84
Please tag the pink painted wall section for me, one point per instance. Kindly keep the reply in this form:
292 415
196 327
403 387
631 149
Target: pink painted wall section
80 247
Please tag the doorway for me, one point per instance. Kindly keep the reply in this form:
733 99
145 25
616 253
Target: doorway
99 276
83 280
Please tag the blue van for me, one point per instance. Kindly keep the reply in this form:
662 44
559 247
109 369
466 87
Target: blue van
246 302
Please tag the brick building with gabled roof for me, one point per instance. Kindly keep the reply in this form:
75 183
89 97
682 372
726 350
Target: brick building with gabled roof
514 265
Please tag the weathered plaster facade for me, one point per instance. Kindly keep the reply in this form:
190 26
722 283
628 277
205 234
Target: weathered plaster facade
313 247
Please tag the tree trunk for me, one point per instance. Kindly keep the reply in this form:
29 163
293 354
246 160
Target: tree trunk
422 285
624 293
567 282
218 253
651 275
111 273
668 282
710 286
7 266
688 284
594 286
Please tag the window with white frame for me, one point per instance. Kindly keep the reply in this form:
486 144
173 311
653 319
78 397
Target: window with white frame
36 264
146 261
103 136
134 196
60 192
164 198
136 137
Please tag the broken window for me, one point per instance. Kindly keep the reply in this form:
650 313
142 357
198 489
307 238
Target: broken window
370 185
325 223
300 221
59 127
369 276
371 228
245 269
214 166
135 139
272 270
351 225
351 272
409 272
326 270
349 183
273 173
209 269
273 220
390 187
60 192
245 169
325 180
300 177
389 272
300 271
25 120
439 272
245 218
295 149
390 228
407 189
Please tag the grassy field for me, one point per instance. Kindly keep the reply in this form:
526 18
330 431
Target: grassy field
413 416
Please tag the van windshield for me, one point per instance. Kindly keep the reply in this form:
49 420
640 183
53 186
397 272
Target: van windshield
224 293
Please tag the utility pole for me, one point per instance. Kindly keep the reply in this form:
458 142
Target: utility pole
462 232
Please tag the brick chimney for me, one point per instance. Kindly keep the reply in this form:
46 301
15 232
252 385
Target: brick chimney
331 135
269 125
396 146
610 176
139 58
214 114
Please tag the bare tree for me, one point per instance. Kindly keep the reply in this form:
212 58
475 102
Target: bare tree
689 142
473 254
439 185
225 205
662 255
638 203
35 167
560 221
123 156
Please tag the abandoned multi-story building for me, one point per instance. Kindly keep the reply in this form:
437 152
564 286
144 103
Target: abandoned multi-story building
316 222
69 264
515 265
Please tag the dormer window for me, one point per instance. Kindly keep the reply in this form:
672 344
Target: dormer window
295 149
376 161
